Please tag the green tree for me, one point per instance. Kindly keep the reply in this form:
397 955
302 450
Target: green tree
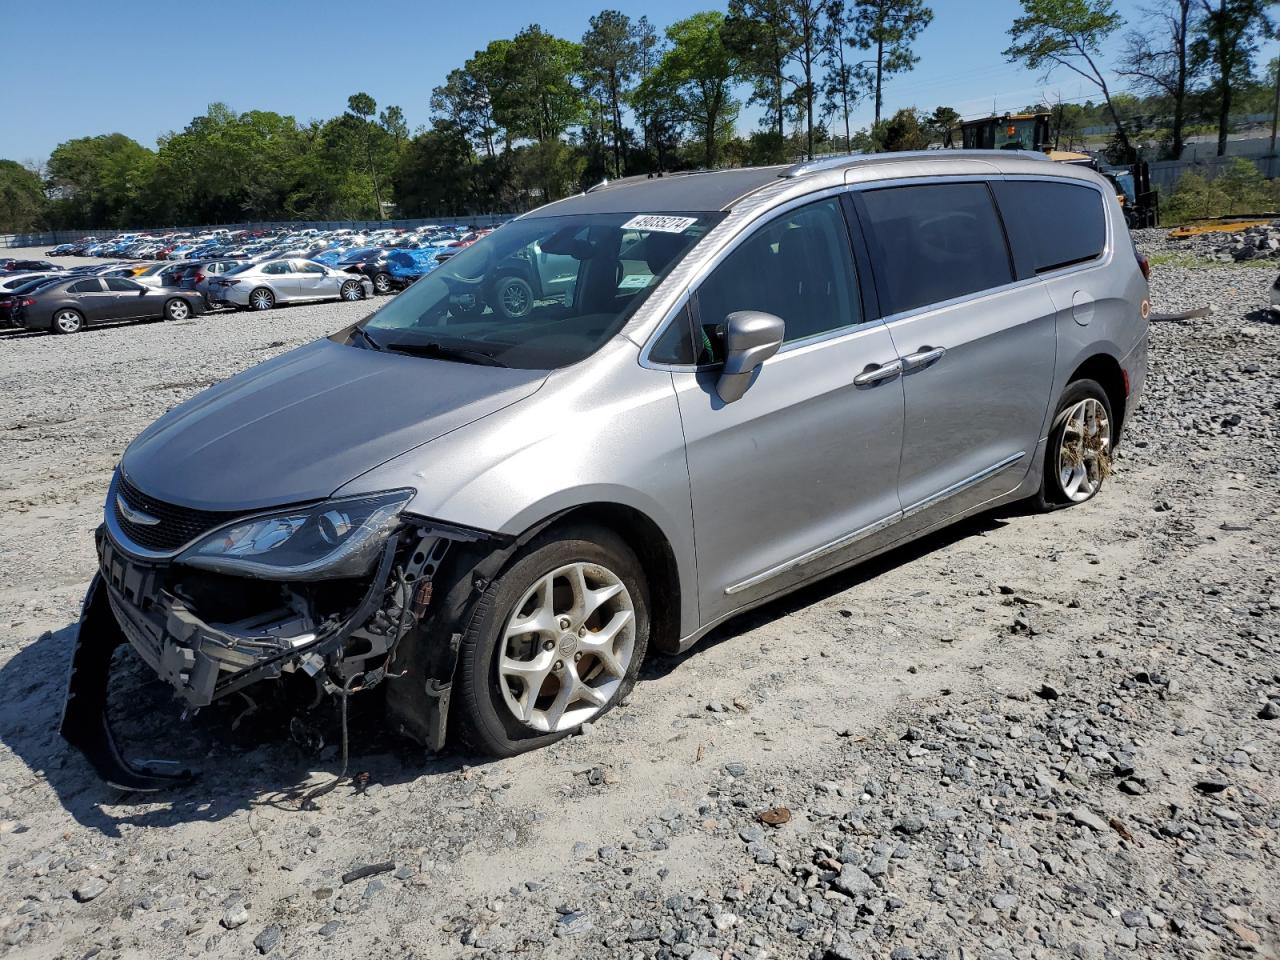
98 181
808 20
903 131
761 38
535 96
434 177
363 107
22 199
466 97
1157 60
1069 33
888 27
391 119
610 59
842 84
941 124
695 77
1227 37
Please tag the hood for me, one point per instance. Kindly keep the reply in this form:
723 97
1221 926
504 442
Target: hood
298 427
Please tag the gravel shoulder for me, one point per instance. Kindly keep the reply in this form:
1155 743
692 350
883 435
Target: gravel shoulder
1028 736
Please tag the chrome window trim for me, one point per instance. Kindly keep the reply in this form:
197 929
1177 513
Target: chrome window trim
884 523
726 247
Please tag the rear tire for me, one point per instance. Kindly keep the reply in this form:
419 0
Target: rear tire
67 321
504 633
352 291
262 299
1077 458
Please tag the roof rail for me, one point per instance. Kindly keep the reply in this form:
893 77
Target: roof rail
857 159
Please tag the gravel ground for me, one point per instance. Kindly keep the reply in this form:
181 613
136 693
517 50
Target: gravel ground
1029 736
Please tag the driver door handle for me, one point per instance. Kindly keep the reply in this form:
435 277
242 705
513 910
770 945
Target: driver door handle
923 357
878 373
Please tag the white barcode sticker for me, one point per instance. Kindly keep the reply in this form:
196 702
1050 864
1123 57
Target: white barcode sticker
659 223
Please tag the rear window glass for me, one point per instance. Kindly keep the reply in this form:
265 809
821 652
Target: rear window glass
936 242
1079 231
86 286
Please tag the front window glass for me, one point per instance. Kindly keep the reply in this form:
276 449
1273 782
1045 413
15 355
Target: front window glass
798 267
539 293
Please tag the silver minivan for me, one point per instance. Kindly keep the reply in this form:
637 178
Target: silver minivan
756 377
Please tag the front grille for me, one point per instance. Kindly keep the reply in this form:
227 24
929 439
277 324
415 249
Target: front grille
178 526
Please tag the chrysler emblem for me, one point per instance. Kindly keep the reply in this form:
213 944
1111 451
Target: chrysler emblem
136 517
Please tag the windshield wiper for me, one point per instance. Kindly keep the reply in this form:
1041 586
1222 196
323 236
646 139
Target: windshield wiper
372 343
441 352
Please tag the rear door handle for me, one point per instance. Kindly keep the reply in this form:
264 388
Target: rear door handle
878 373
923 357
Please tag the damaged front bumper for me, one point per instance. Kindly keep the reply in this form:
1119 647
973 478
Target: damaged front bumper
344 637
203 661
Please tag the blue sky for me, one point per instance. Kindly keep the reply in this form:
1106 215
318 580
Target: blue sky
143 68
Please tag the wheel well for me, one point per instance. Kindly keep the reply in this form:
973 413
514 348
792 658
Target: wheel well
1106 371
655 555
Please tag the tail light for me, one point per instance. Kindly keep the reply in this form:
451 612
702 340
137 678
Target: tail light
1143 263
28 302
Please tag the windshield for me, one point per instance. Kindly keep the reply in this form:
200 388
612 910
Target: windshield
540 293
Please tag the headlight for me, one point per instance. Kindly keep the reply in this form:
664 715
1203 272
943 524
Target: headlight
336 538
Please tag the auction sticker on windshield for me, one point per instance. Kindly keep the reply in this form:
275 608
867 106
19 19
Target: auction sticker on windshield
661 224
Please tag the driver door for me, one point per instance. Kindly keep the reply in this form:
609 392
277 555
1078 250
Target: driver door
133 300
800 474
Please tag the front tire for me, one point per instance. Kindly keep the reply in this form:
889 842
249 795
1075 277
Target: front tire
514 297
68 321
352 291
262 299
1077 458
382 283
556 640
177 309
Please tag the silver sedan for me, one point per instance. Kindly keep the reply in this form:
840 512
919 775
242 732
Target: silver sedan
260 286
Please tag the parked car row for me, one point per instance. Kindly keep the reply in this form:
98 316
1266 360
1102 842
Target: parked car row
262 244
70 300
190 274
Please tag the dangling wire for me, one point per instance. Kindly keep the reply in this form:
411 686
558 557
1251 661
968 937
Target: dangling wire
308 801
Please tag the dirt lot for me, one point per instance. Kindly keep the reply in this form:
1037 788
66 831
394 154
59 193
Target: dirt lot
1031 736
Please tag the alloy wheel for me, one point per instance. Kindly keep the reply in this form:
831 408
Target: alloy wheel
382 283
178 310
1084 455
567 647
351 291
262 300
515 299
68 321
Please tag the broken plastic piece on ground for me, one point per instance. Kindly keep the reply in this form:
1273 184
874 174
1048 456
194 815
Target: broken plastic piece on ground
84 714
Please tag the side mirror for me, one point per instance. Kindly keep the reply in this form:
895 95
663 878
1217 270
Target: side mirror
751 337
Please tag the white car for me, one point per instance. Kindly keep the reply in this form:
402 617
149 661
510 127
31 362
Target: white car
260 286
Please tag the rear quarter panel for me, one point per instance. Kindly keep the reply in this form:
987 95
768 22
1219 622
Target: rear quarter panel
1099 310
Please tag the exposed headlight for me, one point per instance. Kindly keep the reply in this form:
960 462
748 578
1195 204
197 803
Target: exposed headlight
336 538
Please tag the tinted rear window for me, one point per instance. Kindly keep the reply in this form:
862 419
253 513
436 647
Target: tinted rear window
936 242
1079 231
86 286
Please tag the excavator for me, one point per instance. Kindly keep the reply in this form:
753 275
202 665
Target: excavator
1032 131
